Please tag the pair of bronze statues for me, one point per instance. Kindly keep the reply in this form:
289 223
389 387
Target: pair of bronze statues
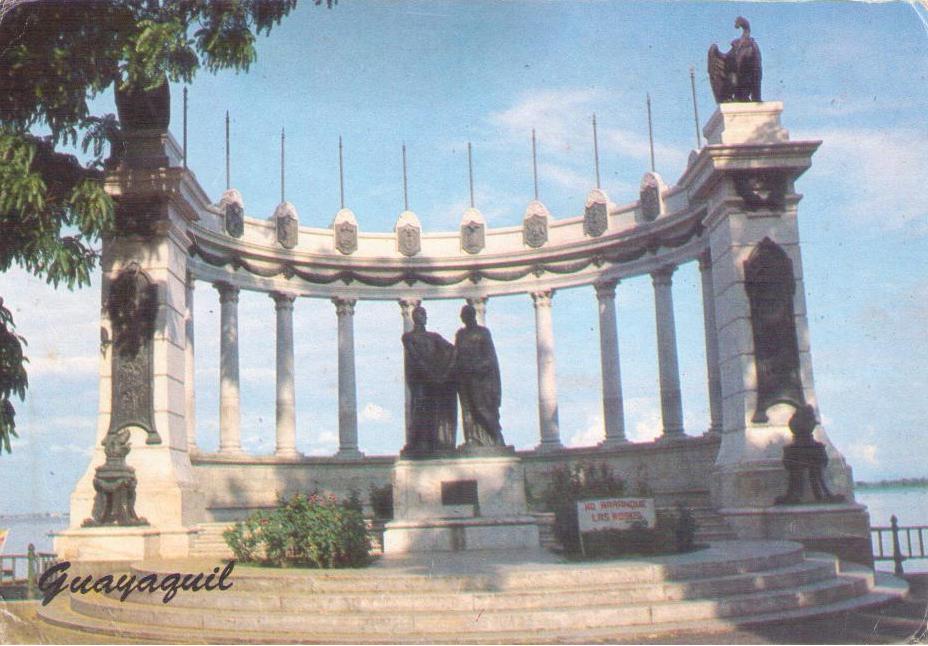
438 374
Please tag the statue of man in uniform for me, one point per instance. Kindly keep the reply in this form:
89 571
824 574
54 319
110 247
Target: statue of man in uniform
429 358
478 382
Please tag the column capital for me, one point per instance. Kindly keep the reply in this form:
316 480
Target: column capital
227 293
282 301
605 289
543 298
407 305
663 276
705 260
344 306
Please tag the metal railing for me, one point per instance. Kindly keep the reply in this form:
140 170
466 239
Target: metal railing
914 549
24 570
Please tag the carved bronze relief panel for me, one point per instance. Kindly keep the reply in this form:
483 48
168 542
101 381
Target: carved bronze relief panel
770 285
132 305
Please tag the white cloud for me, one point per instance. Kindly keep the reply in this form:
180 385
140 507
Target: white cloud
374 413
880 173
592 435
865 452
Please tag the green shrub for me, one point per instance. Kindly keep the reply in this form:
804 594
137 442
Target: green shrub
313 531
570 484
381 499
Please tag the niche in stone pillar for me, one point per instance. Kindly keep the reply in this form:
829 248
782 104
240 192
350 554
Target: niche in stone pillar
132 305
770 285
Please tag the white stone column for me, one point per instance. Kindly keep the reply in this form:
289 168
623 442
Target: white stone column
479 304
712 345
190 393
230 441
407 305
347 385
286 391
671 401
613 413
547 377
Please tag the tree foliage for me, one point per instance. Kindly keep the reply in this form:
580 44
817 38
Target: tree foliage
55 57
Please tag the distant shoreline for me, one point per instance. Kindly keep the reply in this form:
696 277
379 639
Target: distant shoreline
908 483
43 515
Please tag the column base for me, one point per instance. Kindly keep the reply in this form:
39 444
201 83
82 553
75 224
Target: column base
115 543
612 442
349 454
288 454
672 436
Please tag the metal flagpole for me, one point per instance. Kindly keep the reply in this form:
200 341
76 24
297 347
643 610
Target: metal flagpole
185 126
650 132
470 172
405 193
283 138
341 172
534 163
228 184
596 150
695 106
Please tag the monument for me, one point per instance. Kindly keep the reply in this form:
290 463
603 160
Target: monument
447 498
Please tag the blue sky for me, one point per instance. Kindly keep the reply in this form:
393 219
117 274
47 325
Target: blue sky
436 75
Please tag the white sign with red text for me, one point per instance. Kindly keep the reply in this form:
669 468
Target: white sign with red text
616 513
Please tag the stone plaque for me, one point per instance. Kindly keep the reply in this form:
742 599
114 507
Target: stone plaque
235 219
595 219
132 305
288 226
770 285
650 198
535 230
346 237
459 492
408 239
473 237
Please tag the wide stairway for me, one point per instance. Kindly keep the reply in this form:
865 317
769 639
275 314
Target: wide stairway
487 597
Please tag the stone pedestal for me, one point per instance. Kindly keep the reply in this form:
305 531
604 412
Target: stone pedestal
459 503
841 529
752 215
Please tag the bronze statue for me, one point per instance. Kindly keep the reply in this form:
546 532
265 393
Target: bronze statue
114 483
478 382
432 425
805 455
735 75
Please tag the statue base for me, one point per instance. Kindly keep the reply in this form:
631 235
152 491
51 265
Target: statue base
118 543
457 503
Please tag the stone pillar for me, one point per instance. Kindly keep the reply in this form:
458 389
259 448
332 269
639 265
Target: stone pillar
190 393
230 441
286 391
547 377
479 303
712 345
347 386
407 305
751 201
671 401
613 414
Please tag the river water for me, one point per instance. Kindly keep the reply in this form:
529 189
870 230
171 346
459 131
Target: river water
909 504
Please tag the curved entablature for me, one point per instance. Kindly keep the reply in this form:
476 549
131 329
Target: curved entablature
607 242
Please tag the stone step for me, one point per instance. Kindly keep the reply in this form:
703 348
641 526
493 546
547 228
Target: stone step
887 589
489 620
416 601
722 559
